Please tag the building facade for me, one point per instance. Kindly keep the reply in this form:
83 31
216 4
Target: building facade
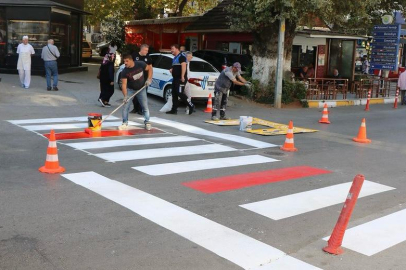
40 20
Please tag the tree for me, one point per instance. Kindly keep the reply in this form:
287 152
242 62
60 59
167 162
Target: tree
261 17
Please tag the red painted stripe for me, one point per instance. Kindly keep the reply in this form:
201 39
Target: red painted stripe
104 133
239 181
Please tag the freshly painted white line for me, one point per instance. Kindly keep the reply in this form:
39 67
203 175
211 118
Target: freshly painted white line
234 246
303 202
286 263
164 152
74 126
128 142
376 235
206 164
201 131
54 120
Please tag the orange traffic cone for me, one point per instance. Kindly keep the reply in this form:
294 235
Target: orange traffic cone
362 133
324 117
289 145
51 162
209 107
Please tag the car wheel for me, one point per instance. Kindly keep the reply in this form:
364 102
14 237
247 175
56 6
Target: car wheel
167 93
120 82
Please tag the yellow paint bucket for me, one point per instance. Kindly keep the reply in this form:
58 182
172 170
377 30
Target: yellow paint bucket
94 121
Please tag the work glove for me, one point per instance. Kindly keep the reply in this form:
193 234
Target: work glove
248 84
125 99
148 82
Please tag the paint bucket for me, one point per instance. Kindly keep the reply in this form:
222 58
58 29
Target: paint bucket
245 123
94 120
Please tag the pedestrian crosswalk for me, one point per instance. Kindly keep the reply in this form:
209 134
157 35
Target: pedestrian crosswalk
195 152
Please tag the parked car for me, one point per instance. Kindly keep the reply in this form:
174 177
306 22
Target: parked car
221 59
201 78
86 50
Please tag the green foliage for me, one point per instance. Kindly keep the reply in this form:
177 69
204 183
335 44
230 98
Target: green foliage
113 29
291 91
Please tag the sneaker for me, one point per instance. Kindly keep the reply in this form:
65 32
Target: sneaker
26 87
101 102
172 112
55 88
108 105
148 126
123 126
214 118
187 110
49 88
225 118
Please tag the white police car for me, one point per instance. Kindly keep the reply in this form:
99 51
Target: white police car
201 78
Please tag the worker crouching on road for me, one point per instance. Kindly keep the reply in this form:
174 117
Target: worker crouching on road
227 77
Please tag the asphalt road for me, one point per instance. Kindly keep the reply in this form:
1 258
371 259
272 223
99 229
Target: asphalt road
104 214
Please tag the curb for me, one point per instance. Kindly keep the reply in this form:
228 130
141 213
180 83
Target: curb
356 102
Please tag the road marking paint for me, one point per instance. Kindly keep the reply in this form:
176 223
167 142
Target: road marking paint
199 165
128 142
253 179
376 235
303 202
74 126
234 246
164 152
201 131
53 120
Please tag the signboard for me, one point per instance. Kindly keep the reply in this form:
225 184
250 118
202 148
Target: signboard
385 46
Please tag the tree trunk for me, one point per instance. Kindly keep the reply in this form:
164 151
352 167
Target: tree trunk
265 53
181 7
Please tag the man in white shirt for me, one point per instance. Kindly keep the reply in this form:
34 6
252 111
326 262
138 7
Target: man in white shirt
25 51
402 87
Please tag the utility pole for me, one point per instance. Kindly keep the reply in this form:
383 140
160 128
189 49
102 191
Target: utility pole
279 67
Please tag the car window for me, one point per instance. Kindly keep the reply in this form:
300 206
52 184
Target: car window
244 60
155 60
199 66
165 63
85 45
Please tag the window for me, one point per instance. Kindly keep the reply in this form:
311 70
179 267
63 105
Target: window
155 60
165 63
199 66
37 32
3 37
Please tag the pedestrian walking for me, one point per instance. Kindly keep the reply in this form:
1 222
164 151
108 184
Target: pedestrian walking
179 75
402 87
229 75
133 79
106 76
25 52
50 55
143 56
365 65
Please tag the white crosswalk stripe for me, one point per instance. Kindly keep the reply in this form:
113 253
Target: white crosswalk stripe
73 126
130 142
54 120
164 152
377 235
206 164
300 203
234 246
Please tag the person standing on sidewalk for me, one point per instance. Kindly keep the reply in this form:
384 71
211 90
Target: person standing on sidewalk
402 87
25 51
133 80
143 56
178 71
229 75
106 76
50 54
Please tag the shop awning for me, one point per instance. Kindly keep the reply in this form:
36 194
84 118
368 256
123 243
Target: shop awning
41 3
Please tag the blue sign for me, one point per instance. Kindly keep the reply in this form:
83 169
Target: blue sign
385 46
